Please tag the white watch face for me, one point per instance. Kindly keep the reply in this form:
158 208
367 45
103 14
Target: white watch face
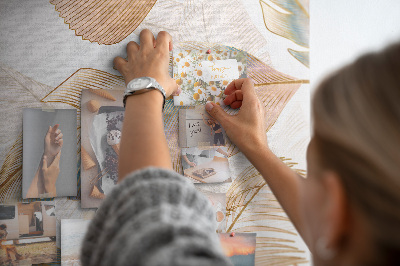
140 83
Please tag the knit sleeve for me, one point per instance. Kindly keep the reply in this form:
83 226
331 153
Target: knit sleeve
153 217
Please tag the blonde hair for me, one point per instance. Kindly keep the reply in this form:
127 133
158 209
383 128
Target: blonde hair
357 134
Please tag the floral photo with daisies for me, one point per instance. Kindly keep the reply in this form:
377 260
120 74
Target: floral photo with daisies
201 73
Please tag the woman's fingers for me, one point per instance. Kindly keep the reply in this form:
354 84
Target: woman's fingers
59 137
235 99
164 41
246 85
147 40
131 48
56 126
119 63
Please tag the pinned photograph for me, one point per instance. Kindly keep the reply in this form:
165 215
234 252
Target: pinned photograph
204 75
36 219
240 248
28 251
49 153
35 224
218 201
198 129
206 165
72 234
102 114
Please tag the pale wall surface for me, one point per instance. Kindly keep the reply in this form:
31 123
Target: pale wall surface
342 30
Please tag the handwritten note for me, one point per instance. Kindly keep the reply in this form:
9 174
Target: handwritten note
219 70
194 128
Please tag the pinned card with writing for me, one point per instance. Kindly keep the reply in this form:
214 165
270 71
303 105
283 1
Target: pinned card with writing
203 75
198 129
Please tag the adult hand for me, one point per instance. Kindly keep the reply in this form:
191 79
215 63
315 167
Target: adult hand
247 128
53 141
150 59
50 174
192 164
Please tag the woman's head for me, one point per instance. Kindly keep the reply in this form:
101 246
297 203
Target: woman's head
3 226
356 137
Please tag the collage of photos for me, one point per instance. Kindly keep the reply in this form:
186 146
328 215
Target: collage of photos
102 114
28 233
204 75
49 153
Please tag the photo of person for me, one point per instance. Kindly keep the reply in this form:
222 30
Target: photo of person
216 130
199 129
49 153
206 165
9 250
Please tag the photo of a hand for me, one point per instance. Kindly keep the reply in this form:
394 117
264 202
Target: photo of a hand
53 141
50 174
44 182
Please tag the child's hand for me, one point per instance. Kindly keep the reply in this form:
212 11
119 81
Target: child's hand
53 141
150 59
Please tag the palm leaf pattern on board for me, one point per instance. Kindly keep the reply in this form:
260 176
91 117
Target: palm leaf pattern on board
289 19
104 22
251 207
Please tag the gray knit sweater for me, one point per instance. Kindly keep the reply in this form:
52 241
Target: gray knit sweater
153 217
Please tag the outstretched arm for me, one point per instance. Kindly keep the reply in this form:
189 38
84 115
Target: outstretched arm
247 131
143 140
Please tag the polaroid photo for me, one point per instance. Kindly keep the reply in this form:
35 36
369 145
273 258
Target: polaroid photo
198 129
102 114
49 153
239 248
203 75
206 165
72 234
218 201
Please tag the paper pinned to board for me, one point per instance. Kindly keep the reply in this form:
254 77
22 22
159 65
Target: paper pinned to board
204 76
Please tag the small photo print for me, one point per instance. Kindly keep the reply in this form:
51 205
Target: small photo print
49 153
203 75
240 248
208 165
198 129
218 201
72 234
28 233
28 251
37 219
102 115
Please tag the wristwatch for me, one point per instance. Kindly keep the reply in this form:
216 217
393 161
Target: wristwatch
142 85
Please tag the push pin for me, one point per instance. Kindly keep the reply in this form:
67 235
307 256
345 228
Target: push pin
208 51
232 234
